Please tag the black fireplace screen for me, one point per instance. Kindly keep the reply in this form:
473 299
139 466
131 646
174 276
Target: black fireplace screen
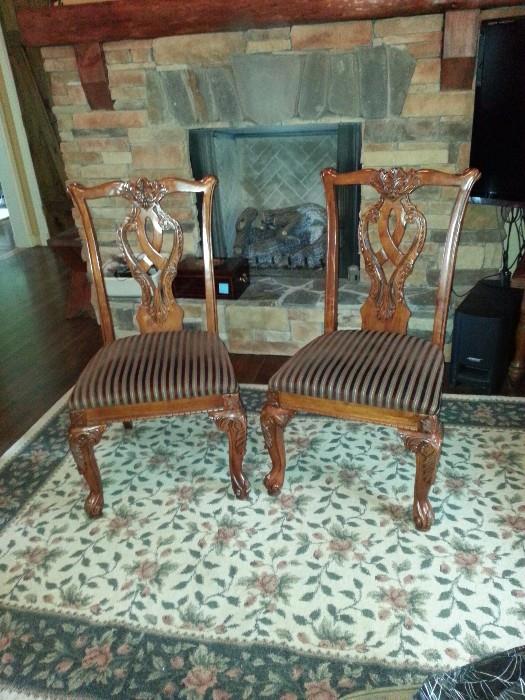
269 206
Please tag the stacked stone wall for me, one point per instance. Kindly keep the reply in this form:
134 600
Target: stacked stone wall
384 74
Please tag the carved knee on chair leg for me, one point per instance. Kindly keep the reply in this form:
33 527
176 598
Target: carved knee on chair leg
273 421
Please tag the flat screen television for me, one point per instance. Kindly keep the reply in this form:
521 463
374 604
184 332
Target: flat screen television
498 130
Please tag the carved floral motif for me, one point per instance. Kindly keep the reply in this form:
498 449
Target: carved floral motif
144 193
387 294
394 183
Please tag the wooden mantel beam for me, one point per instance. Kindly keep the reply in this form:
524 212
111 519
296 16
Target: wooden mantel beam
138 19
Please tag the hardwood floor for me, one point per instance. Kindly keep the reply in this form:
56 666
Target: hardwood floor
41 352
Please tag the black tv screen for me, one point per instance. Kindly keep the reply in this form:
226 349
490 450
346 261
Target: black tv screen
498 130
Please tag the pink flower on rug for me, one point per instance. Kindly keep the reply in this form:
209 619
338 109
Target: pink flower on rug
300 442
494 458
8 658
64 666
467 560
484 413
123 649
287 501
397 598
185 493
288 696
118 523
97 657
340 546
233 672
38 456
395 448
200 679
267 584
516 522
396 512
5 641
169 690
220 695
348 476
455 484
225 534
320 690
36 555
177 662
147 570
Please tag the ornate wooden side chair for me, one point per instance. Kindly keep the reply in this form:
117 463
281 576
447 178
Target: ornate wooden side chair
164 370
378 374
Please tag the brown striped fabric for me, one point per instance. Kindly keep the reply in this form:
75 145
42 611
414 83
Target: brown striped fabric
374 368
155 367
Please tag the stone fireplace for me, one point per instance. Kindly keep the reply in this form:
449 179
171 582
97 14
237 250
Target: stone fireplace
271 207
379 77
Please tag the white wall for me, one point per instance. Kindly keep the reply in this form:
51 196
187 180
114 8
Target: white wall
17 173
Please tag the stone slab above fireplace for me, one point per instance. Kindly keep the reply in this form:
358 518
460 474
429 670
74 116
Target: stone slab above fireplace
276 88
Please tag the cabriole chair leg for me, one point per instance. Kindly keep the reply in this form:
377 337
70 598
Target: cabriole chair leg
274 419
427 447
232 421
82 441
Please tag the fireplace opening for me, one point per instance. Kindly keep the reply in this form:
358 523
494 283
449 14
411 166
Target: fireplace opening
269 205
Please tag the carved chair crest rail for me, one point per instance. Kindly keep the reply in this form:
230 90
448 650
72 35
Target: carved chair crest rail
164 370
379 374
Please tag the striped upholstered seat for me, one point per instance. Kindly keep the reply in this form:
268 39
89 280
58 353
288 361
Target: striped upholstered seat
155 367
375 368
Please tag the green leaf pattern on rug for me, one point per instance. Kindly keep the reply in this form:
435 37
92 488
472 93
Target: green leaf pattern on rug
180 590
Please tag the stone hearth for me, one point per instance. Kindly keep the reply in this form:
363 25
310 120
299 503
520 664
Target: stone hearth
276 315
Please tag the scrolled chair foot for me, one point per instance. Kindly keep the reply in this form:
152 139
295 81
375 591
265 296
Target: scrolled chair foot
94 504
423 515
272 484
240 487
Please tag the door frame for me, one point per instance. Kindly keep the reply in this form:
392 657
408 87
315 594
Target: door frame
17 173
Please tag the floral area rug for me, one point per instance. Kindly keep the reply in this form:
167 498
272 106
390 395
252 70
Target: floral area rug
181 591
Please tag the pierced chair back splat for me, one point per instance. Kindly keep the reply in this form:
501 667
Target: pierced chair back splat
164 370
377 374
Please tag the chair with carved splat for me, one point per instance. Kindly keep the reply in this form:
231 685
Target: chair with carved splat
379 374
164 370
